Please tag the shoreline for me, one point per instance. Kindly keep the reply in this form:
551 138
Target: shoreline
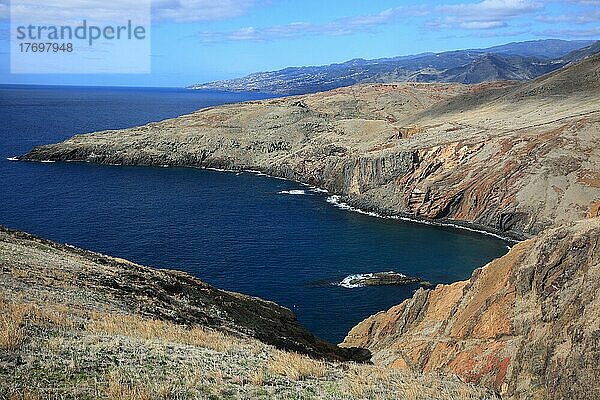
337 200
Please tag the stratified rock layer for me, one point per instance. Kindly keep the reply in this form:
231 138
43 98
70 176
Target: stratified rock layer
526 324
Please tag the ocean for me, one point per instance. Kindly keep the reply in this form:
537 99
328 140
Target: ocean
253 234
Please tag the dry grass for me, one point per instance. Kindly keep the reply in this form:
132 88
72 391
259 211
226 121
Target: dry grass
296 366
15 316
25 395
120 387
366 381
146 328
258 378
12 324
376 382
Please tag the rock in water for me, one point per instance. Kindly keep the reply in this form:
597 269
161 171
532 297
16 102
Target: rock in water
380 279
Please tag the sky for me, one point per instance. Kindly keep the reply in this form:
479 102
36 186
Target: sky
194 41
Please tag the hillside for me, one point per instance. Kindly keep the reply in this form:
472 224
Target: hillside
80 325
513 61
510 158
526 324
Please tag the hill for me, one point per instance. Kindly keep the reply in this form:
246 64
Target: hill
80 325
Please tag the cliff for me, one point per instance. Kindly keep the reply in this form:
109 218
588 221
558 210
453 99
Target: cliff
80 325
511 158
526 324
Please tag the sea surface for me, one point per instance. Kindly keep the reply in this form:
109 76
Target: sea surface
244 232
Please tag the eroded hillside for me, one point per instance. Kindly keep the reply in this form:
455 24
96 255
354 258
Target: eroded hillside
526 324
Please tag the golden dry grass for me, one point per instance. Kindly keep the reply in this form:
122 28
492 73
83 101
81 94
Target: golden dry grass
25 395
121 388
12 321
296 366
146 328
16 315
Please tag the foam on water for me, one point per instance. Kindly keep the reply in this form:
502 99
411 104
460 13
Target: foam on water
293 192
336 201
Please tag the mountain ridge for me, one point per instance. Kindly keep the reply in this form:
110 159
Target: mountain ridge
516 61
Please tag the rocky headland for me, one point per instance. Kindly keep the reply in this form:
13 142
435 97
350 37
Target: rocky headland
518 159
510 158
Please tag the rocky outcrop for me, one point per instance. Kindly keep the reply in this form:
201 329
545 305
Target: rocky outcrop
389 278
39 268
526 324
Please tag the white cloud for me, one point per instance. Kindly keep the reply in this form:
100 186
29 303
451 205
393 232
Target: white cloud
483 15
592 33
578 18
339 27
63 11
487 14
201 10
482 24
71 11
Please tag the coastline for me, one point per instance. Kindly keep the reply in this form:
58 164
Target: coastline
337 200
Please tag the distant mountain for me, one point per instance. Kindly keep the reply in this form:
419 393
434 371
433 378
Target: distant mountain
513 61
545 49
582 53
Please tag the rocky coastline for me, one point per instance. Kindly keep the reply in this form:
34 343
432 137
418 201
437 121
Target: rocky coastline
520 160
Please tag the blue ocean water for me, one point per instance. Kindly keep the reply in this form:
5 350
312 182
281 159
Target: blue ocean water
235 231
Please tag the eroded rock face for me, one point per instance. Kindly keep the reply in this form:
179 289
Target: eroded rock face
527 324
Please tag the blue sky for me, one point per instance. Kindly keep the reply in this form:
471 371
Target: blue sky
204 40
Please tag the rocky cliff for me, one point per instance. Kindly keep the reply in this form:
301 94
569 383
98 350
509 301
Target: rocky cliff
511 158
526 324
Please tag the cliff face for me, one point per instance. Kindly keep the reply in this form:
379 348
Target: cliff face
526 324
512 158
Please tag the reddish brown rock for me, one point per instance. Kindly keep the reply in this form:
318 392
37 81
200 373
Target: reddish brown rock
526 324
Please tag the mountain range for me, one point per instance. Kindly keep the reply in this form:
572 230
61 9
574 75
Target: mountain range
513 61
